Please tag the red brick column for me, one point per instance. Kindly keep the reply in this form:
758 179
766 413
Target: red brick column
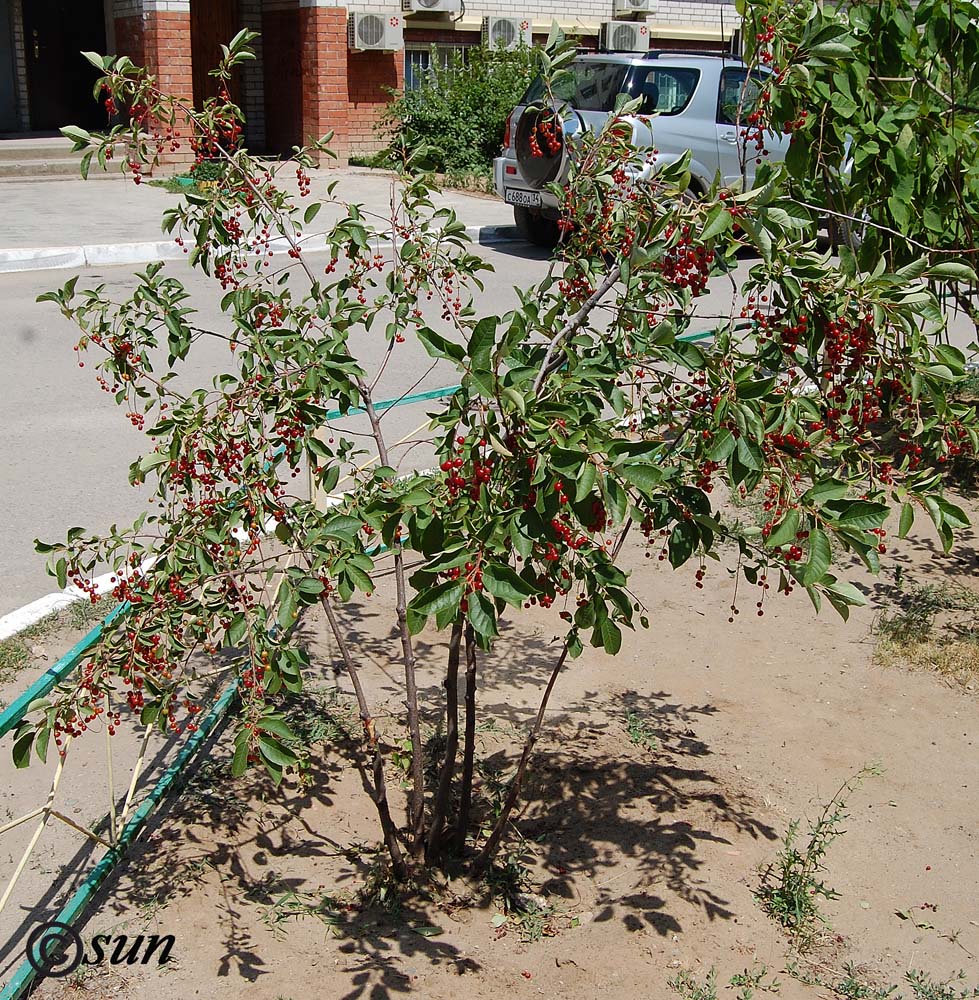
323 62
160 41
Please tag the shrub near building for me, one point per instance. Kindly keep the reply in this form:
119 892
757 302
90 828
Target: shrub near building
460 110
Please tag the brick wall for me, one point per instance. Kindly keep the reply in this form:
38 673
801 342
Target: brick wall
370 78
253 76
342 92
167 54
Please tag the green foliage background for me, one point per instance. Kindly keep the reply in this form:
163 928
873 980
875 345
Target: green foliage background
460 110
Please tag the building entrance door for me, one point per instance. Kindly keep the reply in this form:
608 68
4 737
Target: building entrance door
59 78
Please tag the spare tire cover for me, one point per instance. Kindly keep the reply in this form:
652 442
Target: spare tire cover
540 146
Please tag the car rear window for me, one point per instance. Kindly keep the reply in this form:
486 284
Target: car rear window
588 86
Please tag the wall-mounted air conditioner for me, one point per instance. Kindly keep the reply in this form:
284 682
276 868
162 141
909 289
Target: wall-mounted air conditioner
507 32
634 7
624 36
431 6
376 32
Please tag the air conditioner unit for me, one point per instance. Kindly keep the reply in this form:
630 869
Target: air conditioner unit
634 7
431 6
376 32
507 32
624 36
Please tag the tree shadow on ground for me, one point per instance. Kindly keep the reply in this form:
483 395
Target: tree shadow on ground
622 824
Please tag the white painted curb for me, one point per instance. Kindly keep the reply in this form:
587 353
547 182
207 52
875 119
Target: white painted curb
104 254
26 616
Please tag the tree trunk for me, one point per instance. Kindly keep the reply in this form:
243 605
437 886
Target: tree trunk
441 806
469 746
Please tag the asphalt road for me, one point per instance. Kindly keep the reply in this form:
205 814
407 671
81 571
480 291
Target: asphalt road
65 447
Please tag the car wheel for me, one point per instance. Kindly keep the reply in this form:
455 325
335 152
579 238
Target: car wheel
535 228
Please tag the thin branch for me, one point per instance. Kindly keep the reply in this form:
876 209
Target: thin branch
379 791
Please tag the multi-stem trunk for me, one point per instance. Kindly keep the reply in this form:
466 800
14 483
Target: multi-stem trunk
444 792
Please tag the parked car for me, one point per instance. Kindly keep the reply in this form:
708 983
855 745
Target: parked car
697 101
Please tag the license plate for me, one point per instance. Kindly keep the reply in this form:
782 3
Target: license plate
528 199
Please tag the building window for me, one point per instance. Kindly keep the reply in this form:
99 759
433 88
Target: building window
419 59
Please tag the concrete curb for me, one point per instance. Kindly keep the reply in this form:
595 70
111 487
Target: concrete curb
26 616
104 254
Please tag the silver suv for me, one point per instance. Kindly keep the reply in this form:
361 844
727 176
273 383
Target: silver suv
697 103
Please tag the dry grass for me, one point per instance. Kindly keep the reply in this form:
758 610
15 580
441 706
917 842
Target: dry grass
933 627
19 650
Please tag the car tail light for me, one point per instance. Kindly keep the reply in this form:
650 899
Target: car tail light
507 132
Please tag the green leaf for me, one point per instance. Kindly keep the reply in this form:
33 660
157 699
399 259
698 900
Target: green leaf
444 597
820 557
438 346
856 513
153 461
288 606
722 446
786 531
77 135
749 454
482 615
239 763
907 520
825 490
831 50
501 581
586 480
611 636
274 752
718 221
22 748
644 477
951 271
481 342
277 726
311 212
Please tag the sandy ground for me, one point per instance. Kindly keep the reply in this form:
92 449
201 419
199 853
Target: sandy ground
646 855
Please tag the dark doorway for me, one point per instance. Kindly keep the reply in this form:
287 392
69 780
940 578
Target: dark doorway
59 79
213 23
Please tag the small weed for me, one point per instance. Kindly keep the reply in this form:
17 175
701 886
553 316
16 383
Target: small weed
507 880
381 889
173 185
752 980
640 732
685 986
792 885
294 905
851 985
924 987
915 620
533 921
